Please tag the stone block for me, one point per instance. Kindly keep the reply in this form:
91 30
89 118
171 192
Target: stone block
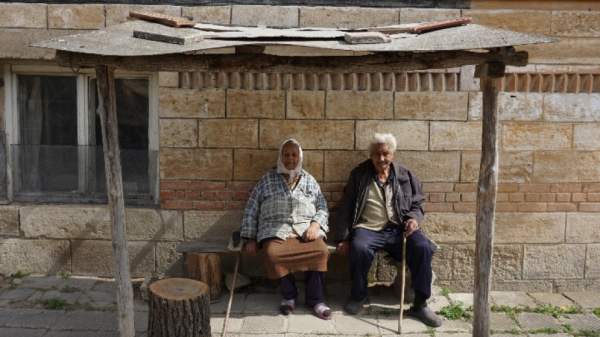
118 13
534 321
9 220
178 132
259 15
536 136
584 299
513 106
339 164
552 299
592 261
16 42
455 136
410 135
255 104
213 164
34 256
228 133
22 15
431 105
442 262
305 104
530 21
565 261
95 257
359 105
565 51
311 134
522 285
583 228
572 107
431 166
168 260
191 103
586 136
211 225
515 167
566 166
512 299
66 16
253 164
65 222
450 227
153 224
507 262
208 14
168 79
347 17
413 15
576 23
587 322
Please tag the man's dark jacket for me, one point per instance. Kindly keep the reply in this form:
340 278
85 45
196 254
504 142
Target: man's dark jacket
408 197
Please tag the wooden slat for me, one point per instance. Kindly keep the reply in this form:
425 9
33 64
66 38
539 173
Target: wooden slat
430 26
366 37
169 20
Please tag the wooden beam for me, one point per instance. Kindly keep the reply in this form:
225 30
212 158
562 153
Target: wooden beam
107 111
271 63
490 74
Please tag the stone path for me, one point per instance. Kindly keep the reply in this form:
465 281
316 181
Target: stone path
74 307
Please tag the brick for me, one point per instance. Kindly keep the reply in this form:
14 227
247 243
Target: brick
455 136
530 228
465 207
567 187
178 132
16 42
271 16
515 167
532 207
576 23
513 106
592 261
566 166
547 197
176 204
563 197
530 21
586 136
578 197
516 197
9 221
536 188
589 187
452 197
20 15
501 197
589 207
359 105
572 107
531 197
305 104
338 164
410 135
438 207
450 227
168 79
94 257
208 14
431 105
435 197
192 103
311 134
196 164
347 17
76 16
255 104
508 187
438 187
536 136
236 133
34 256
211 225
468 196
506 207
117 13
565 51
593 197
465 187
413 15
583 228
565 261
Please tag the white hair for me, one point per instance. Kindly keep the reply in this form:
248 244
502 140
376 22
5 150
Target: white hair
383 138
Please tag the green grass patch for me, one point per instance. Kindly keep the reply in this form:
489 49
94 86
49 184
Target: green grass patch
19 274
445 291
65 275
596 311
55 304
509 311
455 311
548 331
587 333
555 311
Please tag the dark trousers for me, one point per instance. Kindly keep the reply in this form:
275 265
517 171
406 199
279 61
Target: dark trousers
314 287
366 242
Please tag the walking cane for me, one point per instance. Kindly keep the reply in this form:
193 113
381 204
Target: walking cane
402 285
235 242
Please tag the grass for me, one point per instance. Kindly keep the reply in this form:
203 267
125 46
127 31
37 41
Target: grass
455 311
509 311
549 331
587 333
54 304
19 274
445 291
65 275
596 311
555 311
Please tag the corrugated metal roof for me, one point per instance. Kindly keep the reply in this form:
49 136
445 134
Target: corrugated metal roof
119 40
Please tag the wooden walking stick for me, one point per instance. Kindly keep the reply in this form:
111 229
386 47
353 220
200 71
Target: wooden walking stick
402 284
234 245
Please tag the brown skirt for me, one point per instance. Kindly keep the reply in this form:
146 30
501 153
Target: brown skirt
282 257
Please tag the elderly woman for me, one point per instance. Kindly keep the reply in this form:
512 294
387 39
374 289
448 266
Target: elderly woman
286 217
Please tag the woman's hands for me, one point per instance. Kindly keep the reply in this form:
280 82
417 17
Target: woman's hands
312 233
250 247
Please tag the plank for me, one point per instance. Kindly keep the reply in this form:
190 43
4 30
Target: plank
169 20
366 38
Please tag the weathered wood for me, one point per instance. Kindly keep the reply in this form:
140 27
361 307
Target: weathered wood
366 37
430 26
169 20
272 63
178 307
206 267
486 198
107 111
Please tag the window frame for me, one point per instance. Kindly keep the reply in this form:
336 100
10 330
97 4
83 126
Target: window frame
85 123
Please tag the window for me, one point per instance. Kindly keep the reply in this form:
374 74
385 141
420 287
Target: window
56 141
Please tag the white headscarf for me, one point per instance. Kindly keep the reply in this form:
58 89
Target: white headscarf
293 173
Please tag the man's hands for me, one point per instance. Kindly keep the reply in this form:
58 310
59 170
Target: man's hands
250 247
410 226
312 233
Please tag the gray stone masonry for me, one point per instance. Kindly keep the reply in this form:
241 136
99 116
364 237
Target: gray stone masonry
77 306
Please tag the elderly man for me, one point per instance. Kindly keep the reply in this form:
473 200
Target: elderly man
382 202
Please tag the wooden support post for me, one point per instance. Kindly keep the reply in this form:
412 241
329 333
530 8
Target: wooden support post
489 75
107 110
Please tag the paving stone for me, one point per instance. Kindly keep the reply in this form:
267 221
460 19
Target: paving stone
12 332
585 299
310 324
264 324
534 321
262 303
80 333
465 298
17 294
548 335
140 320
88 320
68 297
582 321
501 322
32 318
436 303
512 335
237 306
105 286
512 299
140 305
45 283
362 325
455 326
453 335
234 324
554 299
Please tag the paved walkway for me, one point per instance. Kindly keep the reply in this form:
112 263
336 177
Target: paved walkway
77 307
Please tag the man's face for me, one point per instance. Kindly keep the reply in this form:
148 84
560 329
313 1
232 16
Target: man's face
290 155
382 157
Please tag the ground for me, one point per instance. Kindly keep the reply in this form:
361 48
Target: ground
67 306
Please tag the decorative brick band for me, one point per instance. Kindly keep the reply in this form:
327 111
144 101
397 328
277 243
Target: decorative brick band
552 82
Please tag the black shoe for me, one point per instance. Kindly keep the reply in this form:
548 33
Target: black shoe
354 307
286 307
425 315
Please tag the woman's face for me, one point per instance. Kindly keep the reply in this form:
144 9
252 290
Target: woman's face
290 155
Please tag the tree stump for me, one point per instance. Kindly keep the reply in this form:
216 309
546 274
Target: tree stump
206 267
179 307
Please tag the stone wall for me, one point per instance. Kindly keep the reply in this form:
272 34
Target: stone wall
219 133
